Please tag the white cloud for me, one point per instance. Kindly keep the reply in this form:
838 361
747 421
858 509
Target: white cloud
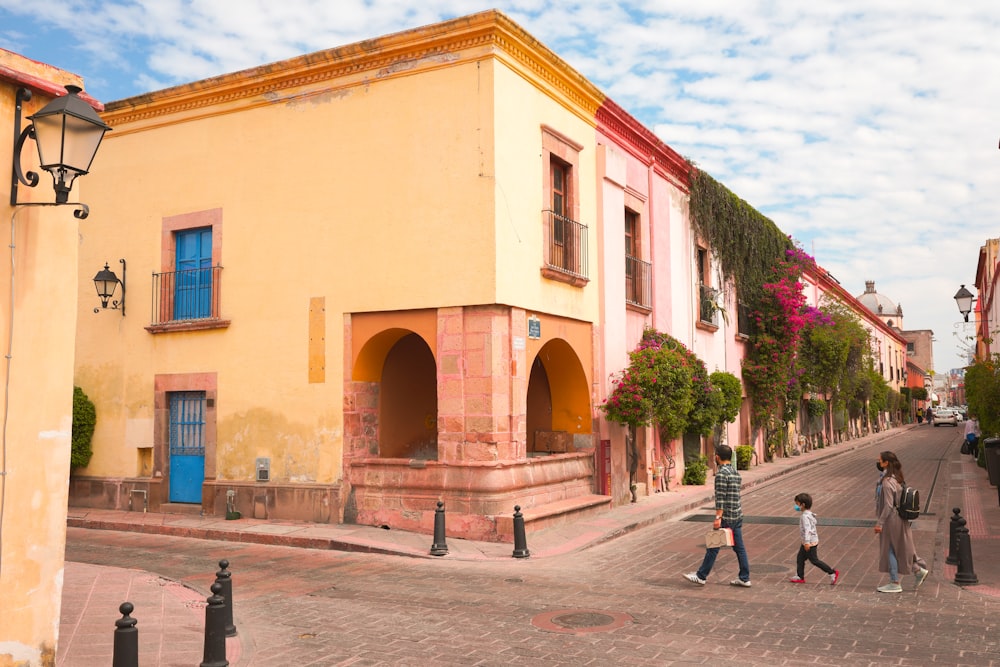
864 128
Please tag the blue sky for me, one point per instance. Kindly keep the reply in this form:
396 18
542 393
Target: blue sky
868 130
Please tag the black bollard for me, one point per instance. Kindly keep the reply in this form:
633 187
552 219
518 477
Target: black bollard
520 542
952 558
215 630
439 547
126 651
965 575
225 579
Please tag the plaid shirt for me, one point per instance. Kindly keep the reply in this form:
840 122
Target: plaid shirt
727 493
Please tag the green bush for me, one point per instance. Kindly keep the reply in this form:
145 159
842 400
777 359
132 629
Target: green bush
744 454
84 418
695 472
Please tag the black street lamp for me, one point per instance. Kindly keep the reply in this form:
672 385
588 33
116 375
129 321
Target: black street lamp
67 132
963 298
106 281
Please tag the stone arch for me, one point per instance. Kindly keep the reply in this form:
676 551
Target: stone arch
558 400
399 367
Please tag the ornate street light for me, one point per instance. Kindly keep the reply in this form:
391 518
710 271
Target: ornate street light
106 281
963 298
67 132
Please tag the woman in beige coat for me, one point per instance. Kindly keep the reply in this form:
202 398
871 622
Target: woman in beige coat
895 538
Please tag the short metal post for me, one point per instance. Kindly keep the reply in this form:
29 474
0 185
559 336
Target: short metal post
439 547
965 575
126 649
215 630
520 541
225 579
952 558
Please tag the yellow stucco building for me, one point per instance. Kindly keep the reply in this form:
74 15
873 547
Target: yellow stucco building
38 313
357 282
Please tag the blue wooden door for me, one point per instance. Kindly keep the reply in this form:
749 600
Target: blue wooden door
187 446
193 284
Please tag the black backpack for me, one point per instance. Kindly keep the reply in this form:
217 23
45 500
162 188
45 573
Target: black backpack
909 503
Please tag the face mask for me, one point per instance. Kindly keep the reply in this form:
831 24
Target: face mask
797 508
879 467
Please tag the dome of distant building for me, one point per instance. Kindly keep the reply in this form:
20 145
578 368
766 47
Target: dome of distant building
885 308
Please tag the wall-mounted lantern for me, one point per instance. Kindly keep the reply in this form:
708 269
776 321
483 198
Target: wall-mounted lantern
106 282
67 132
963 298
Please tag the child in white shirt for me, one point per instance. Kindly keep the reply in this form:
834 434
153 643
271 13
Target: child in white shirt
810 541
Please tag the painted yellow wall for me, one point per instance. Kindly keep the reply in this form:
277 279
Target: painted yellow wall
371 190
37 422
520 114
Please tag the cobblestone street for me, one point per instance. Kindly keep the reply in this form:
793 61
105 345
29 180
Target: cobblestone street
623 601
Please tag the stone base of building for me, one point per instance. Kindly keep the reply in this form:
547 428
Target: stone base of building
316 503
479 497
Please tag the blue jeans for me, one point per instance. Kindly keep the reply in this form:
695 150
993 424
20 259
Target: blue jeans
738 547
893 566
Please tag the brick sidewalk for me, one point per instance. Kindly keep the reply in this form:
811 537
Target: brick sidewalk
92 593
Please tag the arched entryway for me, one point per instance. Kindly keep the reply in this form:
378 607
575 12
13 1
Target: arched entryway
402 375
558 401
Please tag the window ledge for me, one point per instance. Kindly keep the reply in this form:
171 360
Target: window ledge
562 276
639 308
706 326
188 325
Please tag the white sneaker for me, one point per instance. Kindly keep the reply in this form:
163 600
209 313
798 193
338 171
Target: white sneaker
891 587
694 578
740 582
920 576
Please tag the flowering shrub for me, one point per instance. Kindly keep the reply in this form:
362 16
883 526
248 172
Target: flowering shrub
665 383
769 369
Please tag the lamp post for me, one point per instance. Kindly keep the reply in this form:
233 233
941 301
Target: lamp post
963 298
105 282
67 132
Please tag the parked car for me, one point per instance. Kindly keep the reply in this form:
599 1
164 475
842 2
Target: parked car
945 416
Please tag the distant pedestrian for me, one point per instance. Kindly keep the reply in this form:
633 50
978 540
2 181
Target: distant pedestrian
929 415
809 542
972 435
728 514
895 537
920 415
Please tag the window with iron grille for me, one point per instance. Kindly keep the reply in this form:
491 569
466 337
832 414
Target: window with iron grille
187 423
638 273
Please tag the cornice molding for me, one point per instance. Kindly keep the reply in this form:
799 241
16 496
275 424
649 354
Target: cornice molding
644 143
488 34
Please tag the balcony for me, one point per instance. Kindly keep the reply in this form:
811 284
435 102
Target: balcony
565 249
638 283
187 300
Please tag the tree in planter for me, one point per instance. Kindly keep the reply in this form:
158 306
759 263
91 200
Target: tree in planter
982 391
84 419
667 385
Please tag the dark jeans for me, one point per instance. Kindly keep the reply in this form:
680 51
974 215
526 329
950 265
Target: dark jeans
803 555
738 547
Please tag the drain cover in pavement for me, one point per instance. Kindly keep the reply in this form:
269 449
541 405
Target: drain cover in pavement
580 621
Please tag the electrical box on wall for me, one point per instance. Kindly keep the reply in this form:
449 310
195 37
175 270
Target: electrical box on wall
263 467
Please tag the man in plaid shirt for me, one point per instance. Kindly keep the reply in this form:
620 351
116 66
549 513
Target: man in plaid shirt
728 514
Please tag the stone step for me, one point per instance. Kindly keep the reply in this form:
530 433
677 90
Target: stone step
180 508
552 514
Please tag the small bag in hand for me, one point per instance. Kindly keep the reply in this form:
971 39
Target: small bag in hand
723 537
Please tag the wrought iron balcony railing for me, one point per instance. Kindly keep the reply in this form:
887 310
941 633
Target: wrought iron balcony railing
181 296
638 282
566 245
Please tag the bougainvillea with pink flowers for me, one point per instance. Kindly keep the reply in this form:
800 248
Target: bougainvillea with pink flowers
770 371
667 384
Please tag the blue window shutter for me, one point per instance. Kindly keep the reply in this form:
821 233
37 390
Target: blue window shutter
193 286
